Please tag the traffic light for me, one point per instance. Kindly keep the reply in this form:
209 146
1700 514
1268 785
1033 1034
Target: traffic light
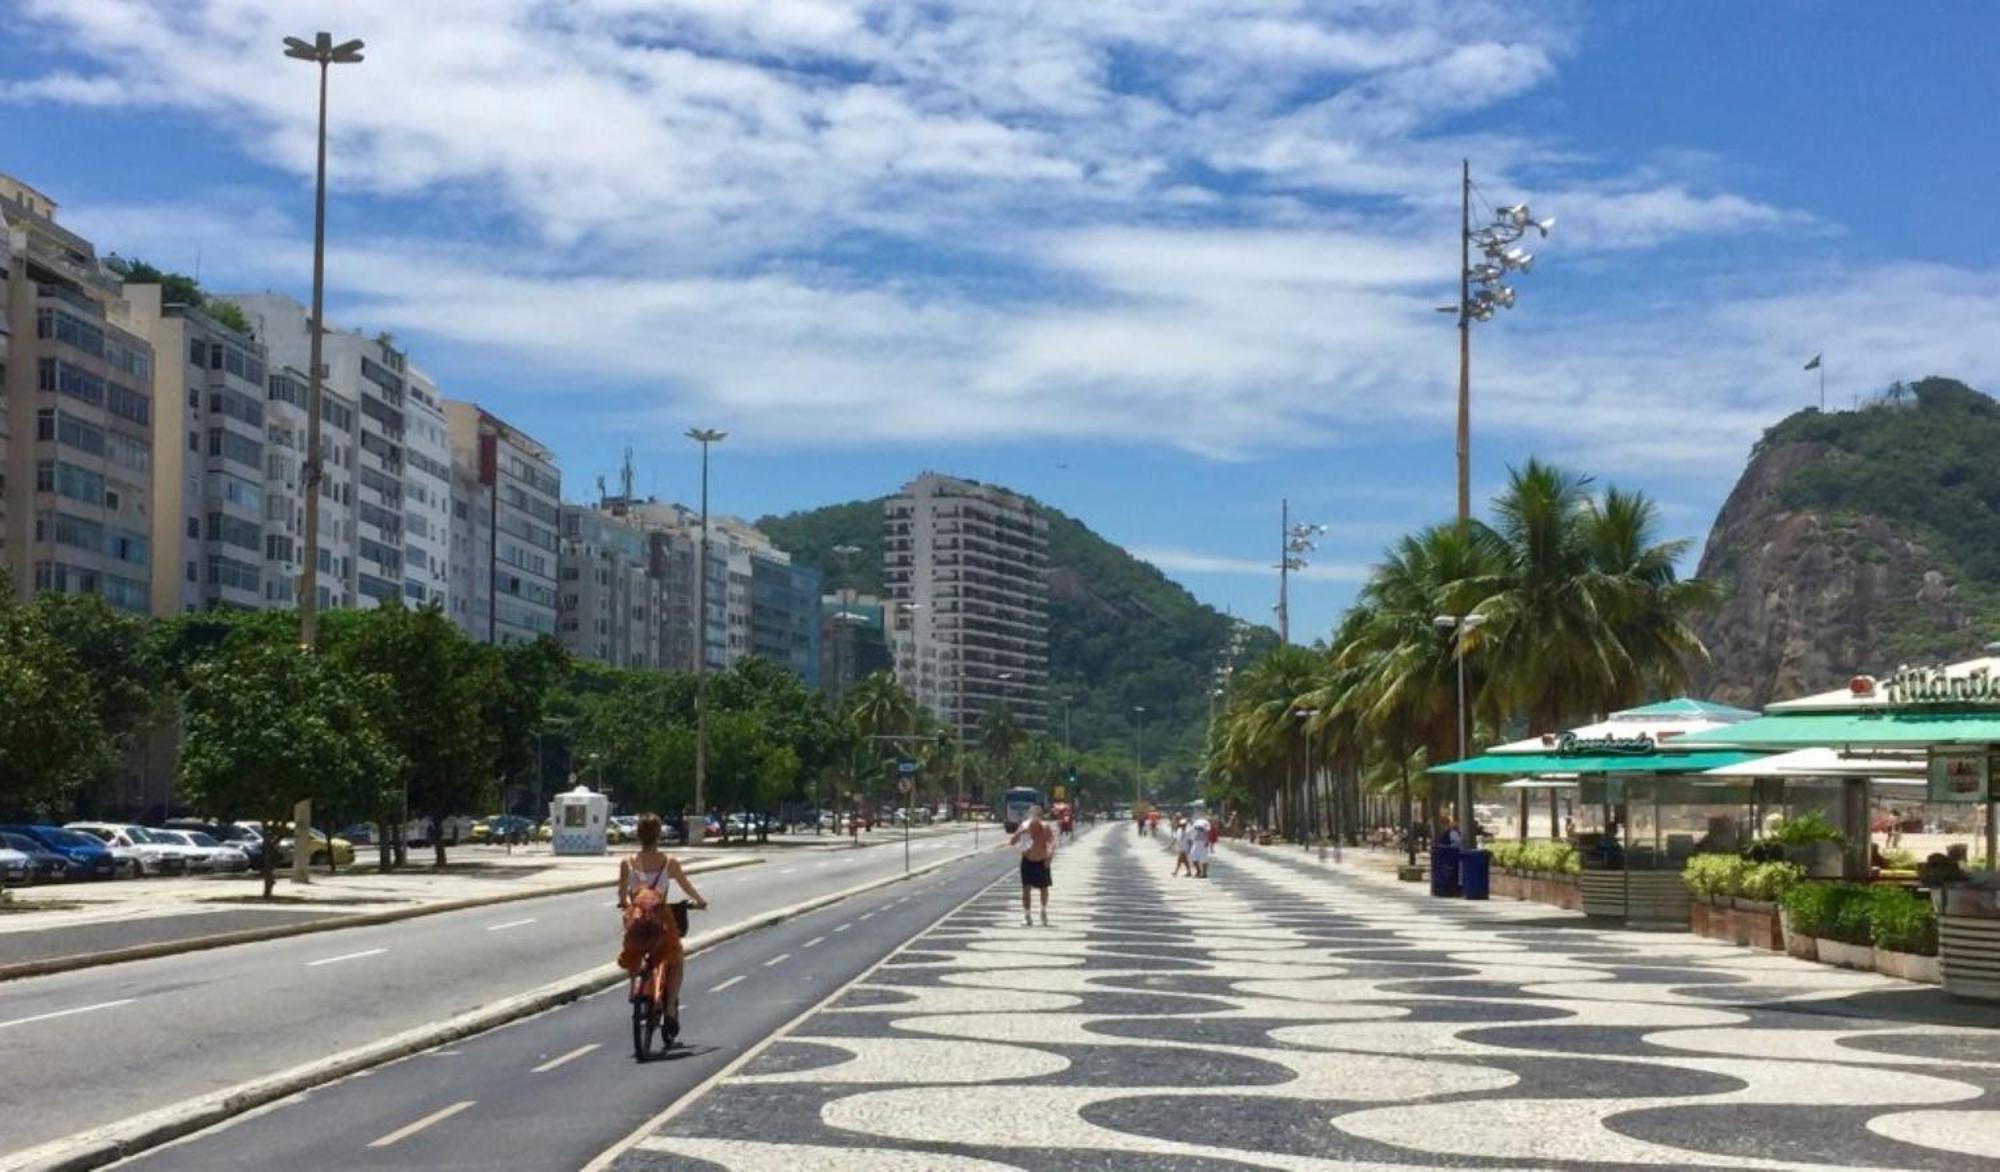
1072 775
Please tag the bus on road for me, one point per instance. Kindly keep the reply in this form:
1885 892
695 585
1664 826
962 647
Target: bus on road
1015 804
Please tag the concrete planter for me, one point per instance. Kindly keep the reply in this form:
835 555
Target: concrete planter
1755 923
1538 887
1847 956
1909 966
1602 894
1412 874
1821 860
1799 945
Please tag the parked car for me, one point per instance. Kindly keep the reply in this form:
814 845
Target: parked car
43 864
215 857
360 834
342 850
88 858
503 828
230 834
134 851
15 867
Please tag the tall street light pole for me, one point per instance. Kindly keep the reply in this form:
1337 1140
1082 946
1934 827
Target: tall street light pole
1138 756
842 655
1460 626
322 52
1499 248
1294 542
703 436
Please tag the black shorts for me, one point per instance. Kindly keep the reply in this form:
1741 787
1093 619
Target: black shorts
1034 873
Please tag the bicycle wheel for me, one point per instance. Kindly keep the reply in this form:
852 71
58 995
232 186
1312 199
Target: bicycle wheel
645 1018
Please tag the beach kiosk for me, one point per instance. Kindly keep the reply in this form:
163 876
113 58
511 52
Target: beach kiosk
1951 715
577 819
1637 770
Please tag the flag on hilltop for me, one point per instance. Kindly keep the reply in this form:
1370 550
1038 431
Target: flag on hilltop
1814 364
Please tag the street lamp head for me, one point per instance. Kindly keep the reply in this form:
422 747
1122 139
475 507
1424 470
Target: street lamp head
847 551
1445 622
346 53
706 435
321 50
1473 622
1543 226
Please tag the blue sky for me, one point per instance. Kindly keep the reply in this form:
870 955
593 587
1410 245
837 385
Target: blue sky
1160 265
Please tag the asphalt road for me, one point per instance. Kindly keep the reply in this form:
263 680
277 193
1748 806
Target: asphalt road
555 1090
94 1046
78 939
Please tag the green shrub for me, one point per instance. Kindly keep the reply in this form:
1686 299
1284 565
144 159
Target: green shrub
1507 855
1806 829
1553 858
1898 859
1808 907
1768 882
1713 876
1902 921
1851 915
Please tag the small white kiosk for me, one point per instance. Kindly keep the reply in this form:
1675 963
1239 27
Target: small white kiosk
577 819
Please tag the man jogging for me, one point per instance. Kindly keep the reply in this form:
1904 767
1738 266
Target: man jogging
1041 847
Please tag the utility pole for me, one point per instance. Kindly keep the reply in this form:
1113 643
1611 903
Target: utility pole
704 437
1465 343
1284 571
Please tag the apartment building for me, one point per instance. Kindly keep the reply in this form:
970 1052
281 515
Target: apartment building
965 566
78 401
427 495
285 436
610 604
853 634
375 376
506 515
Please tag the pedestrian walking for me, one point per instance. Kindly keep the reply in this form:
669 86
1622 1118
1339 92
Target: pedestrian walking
1037 844
1183 839
1201 847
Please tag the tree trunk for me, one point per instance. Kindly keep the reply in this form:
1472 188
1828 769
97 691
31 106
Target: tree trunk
437 839
1409 827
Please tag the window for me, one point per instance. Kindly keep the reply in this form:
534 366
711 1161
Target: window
64 327
78 384
237 406
78 484
45 476
197 352
77 532
194 528
236 490
233 531
128 546
127 594
127 452
45 424
227 571
127 403
231 446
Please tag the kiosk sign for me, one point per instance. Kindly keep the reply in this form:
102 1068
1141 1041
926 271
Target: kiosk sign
1935 685
1959 777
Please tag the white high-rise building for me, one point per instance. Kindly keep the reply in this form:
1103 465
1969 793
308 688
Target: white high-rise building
965 566
375 376
610 603
427 496
506 518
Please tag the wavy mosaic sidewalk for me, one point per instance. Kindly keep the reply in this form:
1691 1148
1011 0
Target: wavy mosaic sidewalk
1280 1016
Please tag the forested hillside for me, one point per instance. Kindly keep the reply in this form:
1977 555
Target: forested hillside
1856 541
1122 634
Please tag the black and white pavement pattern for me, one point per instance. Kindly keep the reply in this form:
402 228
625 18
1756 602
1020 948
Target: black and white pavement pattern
1280 1015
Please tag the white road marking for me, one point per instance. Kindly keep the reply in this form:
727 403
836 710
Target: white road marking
726 984
67 1012
510 924
822 862
438 1116
443 1053
313 964
865 916
814 940
788 870
552 1063
843 927
781 958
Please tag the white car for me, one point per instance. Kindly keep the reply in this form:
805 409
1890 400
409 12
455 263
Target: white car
14 866
211 856
135 850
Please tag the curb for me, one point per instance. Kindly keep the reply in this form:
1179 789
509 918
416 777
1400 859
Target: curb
128 1137
85 960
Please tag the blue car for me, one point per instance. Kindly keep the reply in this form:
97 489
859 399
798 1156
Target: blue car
87 857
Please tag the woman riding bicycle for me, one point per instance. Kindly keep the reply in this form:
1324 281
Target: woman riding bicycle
652 938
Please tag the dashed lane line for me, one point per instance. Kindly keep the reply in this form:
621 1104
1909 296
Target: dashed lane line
726 984
813 941
552 1063
313 964
435 1117
509 924
781 958
68 1012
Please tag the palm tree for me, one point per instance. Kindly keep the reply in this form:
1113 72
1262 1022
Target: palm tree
1405 690
1588 606
1266 735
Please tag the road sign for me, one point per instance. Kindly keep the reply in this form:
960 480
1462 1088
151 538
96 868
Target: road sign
906 766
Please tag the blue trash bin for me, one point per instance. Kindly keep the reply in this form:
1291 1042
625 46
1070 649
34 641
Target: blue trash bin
1444 871
1475 872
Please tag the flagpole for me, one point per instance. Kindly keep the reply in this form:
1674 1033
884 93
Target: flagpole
1822 383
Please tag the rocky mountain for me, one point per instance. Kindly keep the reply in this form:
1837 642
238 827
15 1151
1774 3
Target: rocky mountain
1858 541
1121 633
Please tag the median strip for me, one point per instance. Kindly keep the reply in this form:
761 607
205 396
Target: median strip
115 1141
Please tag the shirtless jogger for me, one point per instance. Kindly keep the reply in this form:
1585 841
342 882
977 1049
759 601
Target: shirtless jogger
1035 864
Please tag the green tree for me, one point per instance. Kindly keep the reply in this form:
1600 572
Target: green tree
51 735
267 725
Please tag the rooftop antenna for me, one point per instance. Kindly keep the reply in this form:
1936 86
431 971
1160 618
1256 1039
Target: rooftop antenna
601 495
625 476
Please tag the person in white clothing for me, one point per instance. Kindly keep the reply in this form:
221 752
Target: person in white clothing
1199 849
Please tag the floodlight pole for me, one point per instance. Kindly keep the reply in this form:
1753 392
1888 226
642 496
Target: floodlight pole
1465 346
